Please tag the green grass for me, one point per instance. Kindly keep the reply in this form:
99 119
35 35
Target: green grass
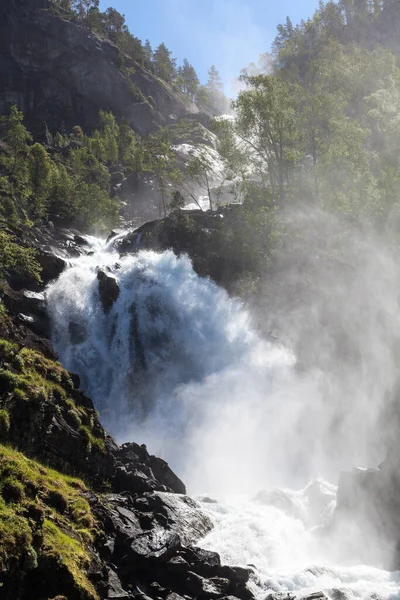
35 499
28 376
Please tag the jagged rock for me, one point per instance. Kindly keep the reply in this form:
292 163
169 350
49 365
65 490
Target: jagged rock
203 235
30 307
368 503
115 590
138 471
77 333
20 332
200 587
155 559
291 596
52 266
108 289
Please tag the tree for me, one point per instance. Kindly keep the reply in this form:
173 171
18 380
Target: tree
284 36
189 79
158 157
131 45
40 170
200 169
164 65
113 24
94 19
83 7
14 158
18 259
148 54
267 125
215 92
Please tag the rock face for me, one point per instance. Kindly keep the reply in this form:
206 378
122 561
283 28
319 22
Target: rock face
149 543
207 237
368 510
108 290
59 73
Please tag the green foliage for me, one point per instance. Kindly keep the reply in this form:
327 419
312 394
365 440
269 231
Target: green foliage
16 258
188 79
323 127
164 66
27 376
40 171
13 160
74 187
4 423
62 526
214 92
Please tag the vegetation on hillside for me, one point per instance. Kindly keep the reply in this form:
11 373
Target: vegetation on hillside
320 129
112 25
46 524
69 179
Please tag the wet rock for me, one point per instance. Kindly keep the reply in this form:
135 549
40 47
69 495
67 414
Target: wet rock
158 546
190 522
80 240
279 499
138 471
201 587
163 473
77 333
115 590
30 307
291 596
52 266
201 561
111 236
203 235
108 289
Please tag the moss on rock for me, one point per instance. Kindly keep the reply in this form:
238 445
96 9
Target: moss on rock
44 518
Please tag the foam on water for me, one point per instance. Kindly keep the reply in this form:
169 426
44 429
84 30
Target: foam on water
289 556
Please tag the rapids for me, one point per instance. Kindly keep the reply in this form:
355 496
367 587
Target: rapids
176 365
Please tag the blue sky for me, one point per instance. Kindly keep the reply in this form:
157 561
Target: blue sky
227 33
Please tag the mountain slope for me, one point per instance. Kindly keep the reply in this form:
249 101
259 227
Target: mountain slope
59 73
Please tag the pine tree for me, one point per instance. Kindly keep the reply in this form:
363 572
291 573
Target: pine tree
14 159
82 7
164 65
113 24
189 79
148 54
216 96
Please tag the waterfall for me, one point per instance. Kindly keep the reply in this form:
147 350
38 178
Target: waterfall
176 364
169 365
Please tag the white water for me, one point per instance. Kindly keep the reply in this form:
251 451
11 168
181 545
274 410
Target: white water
176 365
288 553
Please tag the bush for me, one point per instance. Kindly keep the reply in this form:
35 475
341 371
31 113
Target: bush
18 259
4 422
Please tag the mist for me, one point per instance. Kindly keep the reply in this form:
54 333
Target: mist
295 387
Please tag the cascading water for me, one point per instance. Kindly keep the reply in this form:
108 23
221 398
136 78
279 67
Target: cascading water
175 364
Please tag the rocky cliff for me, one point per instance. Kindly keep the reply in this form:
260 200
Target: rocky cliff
60 74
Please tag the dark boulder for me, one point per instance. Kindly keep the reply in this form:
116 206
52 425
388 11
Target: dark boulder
138 471
108 289
29 307
77 333
51 264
